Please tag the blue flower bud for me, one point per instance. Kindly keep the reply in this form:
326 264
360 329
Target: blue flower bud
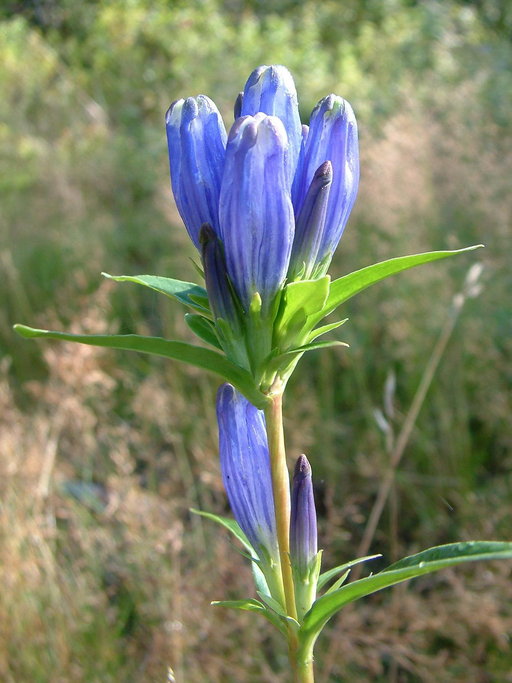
271 90
245 466
332 137
309 232
303 528
197 143
220 294
256 213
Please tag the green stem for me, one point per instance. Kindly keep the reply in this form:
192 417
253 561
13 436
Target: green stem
305 673
281 490
302 670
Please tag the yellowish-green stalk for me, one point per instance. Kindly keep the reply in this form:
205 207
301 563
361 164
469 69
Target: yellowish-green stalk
302 671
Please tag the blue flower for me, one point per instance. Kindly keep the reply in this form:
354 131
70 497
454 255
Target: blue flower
332 136
245 466
256 213
197 146
277 193
303 526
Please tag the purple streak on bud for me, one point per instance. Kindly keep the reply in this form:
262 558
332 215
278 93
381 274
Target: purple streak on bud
303 531
245 466
310 228
332 137
238 105
197 142
217 284
256 214
271 90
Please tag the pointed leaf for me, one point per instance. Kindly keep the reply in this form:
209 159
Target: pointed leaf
187 353
349 285
312 347
175 289
326 576
275 608
230 525
203 328
339 582
251 605
324 329
299 301
248 605
410 567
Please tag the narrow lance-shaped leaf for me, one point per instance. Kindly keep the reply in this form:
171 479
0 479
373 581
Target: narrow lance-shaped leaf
349 285
430 560
157 346
203 328
185 292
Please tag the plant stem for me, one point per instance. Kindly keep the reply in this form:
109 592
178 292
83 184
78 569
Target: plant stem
281 491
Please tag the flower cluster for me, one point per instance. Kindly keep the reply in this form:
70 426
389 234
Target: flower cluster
246 473
265 204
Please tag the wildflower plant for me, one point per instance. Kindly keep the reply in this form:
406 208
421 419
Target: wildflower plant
265 206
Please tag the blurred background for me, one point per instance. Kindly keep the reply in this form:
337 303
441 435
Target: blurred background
105 574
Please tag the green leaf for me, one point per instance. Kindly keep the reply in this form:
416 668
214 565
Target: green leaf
248 605
451 553
339 582
230 525
314 334
175 289
276 361
326 576
251 605
299 301
203 328
349 285
313 347
410 567
187 353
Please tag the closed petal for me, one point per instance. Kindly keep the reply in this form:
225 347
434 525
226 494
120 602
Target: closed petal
197 142
245 466
271 90
332 137
256 213
215 275
310 228
303 524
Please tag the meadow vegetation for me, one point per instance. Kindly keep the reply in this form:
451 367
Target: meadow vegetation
106 576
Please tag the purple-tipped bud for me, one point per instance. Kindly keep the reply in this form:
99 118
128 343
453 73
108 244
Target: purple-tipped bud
220 294
237 111
332 137
197 145
271 90
245 466
309 232
256 214
303 528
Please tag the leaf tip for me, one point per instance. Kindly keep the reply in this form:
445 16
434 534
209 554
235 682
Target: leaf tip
26 331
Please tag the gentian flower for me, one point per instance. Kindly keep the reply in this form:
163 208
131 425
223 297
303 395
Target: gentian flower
332 136
268 193
304 555
245 466
255 208
197 145
303 527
